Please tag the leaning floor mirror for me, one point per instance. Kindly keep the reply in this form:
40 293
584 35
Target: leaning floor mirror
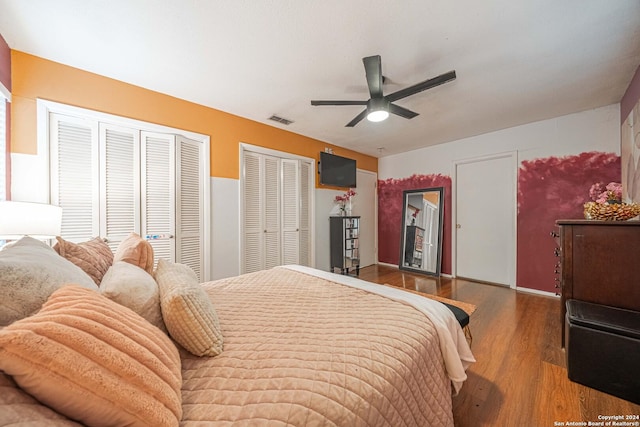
421 234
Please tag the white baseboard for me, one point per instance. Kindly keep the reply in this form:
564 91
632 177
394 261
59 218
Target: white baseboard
537 292
387 264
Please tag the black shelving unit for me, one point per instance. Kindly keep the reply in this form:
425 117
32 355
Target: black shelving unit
344 232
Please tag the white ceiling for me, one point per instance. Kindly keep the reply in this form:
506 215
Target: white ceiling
516 61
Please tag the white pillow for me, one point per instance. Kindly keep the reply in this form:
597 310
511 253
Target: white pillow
30 271
132 287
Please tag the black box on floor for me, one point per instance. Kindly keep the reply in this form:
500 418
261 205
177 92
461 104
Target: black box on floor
603 348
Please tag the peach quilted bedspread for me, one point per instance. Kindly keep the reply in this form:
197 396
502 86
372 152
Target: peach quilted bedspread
304 351
300 351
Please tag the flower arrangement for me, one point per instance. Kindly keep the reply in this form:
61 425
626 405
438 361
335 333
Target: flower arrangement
610 194
343 200
606 203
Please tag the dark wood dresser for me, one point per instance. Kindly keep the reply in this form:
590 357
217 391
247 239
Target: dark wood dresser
599 262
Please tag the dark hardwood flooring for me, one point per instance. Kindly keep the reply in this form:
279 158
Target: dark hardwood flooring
520 377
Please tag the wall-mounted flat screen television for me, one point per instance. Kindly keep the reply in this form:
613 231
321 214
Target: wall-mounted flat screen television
337 171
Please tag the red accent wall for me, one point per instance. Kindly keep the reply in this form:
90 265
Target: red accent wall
549 189
390 215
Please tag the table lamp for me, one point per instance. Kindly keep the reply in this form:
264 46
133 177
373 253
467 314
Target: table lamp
38 220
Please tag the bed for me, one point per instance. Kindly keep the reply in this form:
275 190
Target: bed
304 347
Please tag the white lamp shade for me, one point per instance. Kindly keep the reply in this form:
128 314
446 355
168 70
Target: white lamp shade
38 220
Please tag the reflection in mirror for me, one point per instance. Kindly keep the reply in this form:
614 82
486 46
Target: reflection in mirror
421 236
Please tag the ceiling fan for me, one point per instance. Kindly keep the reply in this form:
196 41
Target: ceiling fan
379 106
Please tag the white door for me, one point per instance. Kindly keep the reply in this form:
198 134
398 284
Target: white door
253 228
276 211
119 183
365 205
272 213
189 201
290 211
112 180
305 256
431 234
75 175
262 203
485 219
158 193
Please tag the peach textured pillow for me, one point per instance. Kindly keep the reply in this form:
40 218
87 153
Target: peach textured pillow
94 361
93 257
187 310
18 408
137 251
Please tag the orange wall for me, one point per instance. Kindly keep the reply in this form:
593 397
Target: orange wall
34 77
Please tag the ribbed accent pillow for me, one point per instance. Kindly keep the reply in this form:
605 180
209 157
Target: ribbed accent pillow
187 310
137 251
94 361
93 257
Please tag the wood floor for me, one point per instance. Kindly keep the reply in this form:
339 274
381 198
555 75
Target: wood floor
520 377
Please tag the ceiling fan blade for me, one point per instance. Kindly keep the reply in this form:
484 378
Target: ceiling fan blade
401 111
373 69
419 87
339 102
357 119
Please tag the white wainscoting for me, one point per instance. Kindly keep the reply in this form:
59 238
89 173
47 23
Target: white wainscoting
225 227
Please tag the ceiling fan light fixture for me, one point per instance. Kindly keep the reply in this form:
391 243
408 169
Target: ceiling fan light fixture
377 109
378 115
379 106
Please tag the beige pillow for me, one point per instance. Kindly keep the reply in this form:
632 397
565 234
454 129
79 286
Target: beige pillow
187 310
134 288
93 257
137 251
94 361
30 271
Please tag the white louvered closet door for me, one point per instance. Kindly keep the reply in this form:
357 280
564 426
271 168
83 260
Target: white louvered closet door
189 206
271 185
74 175
253 235
119 156
277 205
306 186
158 190
114 179
290 211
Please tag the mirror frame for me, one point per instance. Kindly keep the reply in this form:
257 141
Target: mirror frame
405 199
